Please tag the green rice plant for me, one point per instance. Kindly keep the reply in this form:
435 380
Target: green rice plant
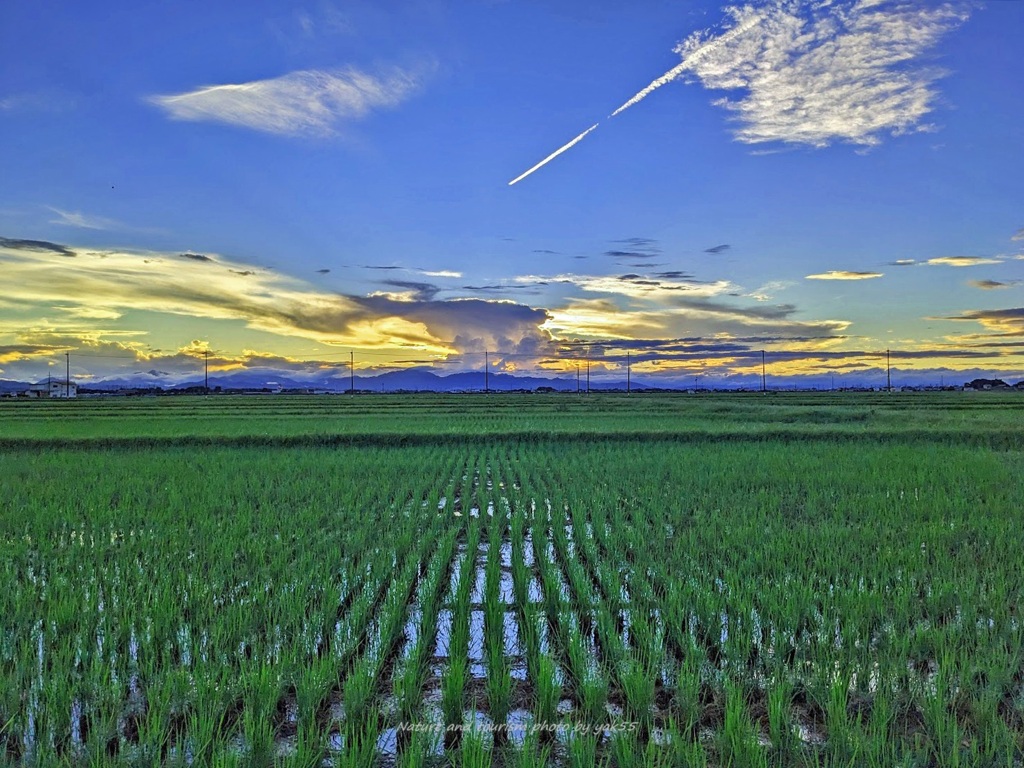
474 752
312 687
841 736
680 749
583 751
360 744
593 698
258 732
310 747
499 692
548 692
359 692
947 736
535 752
626 751
452 686
638 684
780 717
611 643
417 753
737 741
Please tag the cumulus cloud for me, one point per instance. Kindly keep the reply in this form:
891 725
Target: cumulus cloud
113 282
842 274
307 102
1018 235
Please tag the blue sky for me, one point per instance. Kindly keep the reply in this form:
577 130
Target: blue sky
281 183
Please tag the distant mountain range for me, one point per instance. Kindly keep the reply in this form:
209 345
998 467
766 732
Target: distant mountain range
409 379
426 380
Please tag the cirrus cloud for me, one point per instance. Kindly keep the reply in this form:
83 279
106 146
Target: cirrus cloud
307 102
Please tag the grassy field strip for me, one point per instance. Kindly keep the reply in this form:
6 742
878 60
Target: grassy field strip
951 418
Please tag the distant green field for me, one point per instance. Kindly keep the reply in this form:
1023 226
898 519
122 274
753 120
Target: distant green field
955 416
722 580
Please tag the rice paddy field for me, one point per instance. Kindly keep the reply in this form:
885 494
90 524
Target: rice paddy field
513 580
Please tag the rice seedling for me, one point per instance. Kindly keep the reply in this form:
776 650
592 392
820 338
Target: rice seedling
583 751
474 752
548 692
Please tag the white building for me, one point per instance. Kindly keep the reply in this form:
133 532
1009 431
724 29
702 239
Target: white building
53 388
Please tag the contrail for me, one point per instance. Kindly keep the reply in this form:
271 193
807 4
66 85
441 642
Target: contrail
554 154
692 51
691 59
665 79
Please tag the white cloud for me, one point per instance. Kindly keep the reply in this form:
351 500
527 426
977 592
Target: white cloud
441 273
1018 235
842 274
78 219
816 73
767 291
307 102
961 261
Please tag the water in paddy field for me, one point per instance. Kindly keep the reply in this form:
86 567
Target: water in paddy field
511 632
476 644
443 638
411 630
477 596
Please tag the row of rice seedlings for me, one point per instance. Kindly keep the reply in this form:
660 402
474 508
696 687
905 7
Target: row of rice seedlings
361 685
589 686
412 675
499 668
541 669
454 680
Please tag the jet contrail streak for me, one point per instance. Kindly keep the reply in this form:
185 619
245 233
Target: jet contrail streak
691 59
554 154
665 79
692 54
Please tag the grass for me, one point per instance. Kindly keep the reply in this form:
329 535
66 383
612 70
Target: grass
752 581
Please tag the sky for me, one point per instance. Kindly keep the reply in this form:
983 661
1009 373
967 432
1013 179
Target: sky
275 186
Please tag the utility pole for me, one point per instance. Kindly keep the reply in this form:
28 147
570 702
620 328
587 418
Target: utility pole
627 373
588 371
577 378
763 387
351 372
487 369
888 375
832 386
206 370
67 375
